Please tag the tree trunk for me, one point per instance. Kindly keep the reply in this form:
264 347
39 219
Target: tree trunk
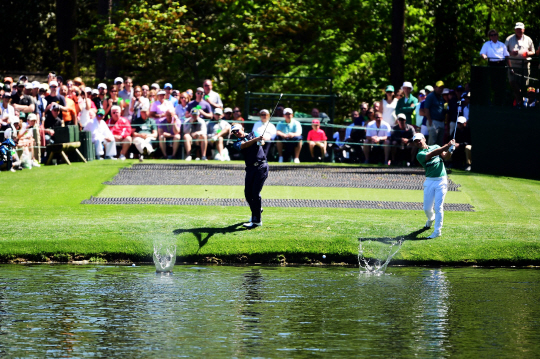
103 9
66 25
397 57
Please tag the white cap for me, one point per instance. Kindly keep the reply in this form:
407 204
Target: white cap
44 87
519 25
14 119
227 110
35 84
87 89
423 92
418 136
154 85
287 110
161 92
28 86
53 83
118 79
95 92
407 84
402 115
236 127
445 91
218 111
102 86
265 111
31 117
461 119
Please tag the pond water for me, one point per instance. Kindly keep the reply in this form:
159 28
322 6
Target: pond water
214 311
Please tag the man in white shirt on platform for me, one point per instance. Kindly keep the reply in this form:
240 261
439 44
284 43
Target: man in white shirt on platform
378 133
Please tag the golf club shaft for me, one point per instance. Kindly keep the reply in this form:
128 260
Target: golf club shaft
280 96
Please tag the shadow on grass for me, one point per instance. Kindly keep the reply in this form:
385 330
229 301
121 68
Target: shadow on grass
413 236
209 231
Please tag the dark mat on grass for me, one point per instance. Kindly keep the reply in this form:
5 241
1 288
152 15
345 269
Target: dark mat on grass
463 207
302 176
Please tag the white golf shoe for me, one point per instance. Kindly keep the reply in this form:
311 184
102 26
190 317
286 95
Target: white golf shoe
252 225
251 218
435 235
189 158
429 223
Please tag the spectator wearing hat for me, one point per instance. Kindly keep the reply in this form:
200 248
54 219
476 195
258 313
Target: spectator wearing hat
70 115
52 120
169 130
389 104
195 129
435 114
137 102
270 131
155 87
8 81
211 96
181 108
121 130
168 94
464 107
205 110
126 94
118 84
6 107
228 114
99 101
401 138
54 97
378 133
217 129
289 132
102 137
519 46
530 100
159 107
317 138
22 102
144 130
463 144
418 117
407 103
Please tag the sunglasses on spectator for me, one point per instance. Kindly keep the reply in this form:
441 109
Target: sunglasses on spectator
236 111
99 115
363 109
53 87
200 93
377 117
182 98
137 91
113 91
493 34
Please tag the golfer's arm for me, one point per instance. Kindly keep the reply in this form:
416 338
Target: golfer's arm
441 151
249 143
446 155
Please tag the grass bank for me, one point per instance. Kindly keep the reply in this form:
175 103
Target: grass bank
43 220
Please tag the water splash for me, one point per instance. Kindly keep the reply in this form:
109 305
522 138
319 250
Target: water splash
375 255
164 257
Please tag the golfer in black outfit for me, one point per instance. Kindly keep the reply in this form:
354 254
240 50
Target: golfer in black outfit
256 170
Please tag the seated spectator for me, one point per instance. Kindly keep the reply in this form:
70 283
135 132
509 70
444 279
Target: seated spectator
370 113
52 120
290 133
217 129
121 130
339 138
279 111
102 137
159 107
195 129
262 126
465 106
378 133
463 143
144 131
169 129
228 114
205 110
401 137
315 113
530 100
25 136
237 115
317 138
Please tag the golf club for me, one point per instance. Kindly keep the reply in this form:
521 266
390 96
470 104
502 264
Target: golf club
453 147
280 96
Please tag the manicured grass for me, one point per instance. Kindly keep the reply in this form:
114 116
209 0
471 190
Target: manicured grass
43 219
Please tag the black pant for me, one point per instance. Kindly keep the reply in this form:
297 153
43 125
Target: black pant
255 177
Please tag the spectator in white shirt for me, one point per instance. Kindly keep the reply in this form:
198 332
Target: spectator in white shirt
378 133
211 96
494 51
102 136
270 133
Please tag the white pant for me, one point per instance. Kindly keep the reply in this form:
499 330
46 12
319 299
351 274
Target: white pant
110 148
142 143
434 193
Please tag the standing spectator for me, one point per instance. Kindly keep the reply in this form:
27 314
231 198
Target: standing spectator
370 113
315 113
169 129
407 103
463 143
434 112
119 84
195 129
378 133
168 94
262 126
144 131
160 107
99 101
465 106
519 46
217 129
211 96
205 110
52 120
113 100
121 130
376 106
145 91
56 98
290 132
421 98
137 102
389 103
22 102
237 115
316 138
181 108
102 137
127 95
70 114
228 114
496 54
5 106
401 138
85 105
279 111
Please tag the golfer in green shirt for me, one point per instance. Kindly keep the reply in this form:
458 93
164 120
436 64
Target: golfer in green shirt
435 185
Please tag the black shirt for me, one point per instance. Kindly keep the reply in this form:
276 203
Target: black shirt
59 99
398 133
252 153
98 102
51 122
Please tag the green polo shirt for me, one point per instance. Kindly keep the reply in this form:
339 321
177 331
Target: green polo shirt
435 166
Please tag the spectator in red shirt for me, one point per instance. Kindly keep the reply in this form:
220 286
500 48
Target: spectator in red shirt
316 137
121 130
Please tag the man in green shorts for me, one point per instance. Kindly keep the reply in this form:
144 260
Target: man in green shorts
431 158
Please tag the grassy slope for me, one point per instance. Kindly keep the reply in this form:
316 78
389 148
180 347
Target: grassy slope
44 217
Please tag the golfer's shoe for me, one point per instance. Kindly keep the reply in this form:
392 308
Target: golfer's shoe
252 225
429 223
435 235
251 218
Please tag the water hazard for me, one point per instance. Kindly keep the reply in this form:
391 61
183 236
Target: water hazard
114 311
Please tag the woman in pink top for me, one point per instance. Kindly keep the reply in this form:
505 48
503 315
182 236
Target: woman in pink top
317 137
